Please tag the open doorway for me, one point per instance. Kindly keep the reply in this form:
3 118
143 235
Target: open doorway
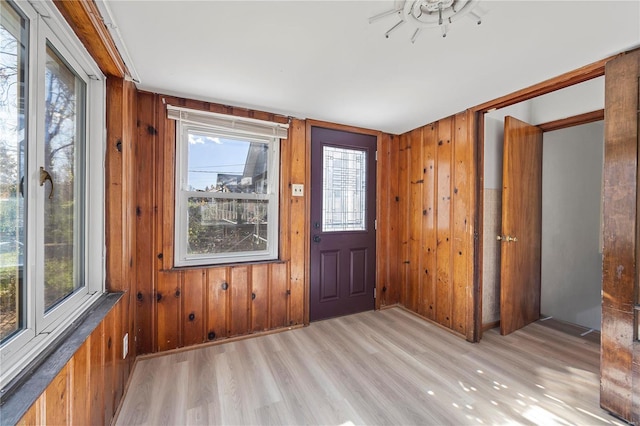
563 271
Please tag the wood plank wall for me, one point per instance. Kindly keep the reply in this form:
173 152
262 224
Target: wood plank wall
187 306
89 388
620 347
431 214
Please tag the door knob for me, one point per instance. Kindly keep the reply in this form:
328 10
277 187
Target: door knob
316 238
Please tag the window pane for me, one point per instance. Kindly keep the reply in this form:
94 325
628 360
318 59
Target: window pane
226 225
218 164
344 189
63 160
13 50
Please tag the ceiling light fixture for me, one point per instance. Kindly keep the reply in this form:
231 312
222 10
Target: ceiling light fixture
430 14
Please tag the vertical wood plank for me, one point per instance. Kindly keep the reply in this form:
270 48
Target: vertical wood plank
443 253
285 197
462 222
429 222
299 238
240 298
145 147
80 390
56 398
109 368
620 254
382 217
260 297
193 298
393 223
217 301
97 371
114 212
118 320
415 213
403 215
278 295
168 311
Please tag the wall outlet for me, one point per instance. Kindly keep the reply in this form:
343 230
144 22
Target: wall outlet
297 190
125 345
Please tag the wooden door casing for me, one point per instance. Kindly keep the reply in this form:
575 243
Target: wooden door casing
521 219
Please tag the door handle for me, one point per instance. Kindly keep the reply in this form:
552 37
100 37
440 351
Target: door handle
507 238
45 176
316 238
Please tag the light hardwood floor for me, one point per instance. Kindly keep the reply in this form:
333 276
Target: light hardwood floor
385 367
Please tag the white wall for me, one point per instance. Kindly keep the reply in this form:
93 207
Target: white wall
571 101
572 162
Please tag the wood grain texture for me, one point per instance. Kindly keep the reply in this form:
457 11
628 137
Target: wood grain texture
260 306
168 311
217 303
194 296
382 215
373 368
86 22
415 212
429 230
619 352
444 261
576 120
462 226
146 143
403 215
521 218
240 305
56 399
392 222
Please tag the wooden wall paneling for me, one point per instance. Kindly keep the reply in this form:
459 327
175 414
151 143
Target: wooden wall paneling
56 399
403 215
260 297
80 385
145 155
114 211
415 212
382 218
463 187
96 344
85 20
217 302
194 296
168 311
109 366
298 298
166 182
620 254
239 306
285 199
443 251
118 324
394 283
429 208
278 296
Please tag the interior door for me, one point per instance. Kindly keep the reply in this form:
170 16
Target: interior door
343 196
521 225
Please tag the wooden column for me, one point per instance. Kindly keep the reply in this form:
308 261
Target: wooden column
620 349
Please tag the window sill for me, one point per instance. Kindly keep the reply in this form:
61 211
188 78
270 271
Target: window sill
24 390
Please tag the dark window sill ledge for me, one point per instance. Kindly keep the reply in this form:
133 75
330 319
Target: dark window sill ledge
22 392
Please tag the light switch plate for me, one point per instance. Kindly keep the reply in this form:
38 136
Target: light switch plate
297 190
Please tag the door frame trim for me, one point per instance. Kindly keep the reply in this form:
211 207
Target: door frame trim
307 229
580 75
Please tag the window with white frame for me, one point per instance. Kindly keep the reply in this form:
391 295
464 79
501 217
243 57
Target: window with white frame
51 181
227 180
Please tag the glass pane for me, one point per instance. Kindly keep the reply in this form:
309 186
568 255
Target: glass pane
63 160
226 225
218 164
344 189
13 54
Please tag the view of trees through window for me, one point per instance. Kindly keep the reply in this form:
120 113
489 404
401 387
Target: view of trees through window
61 149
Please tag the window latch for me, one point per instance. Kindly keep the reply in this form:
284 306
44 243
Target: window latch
45 176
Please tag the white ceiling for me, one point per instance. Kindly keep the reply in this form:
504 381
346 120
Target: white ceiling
323 60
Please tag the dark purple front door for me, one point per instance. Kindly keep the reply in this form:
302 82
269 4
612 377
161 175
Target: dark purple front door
343 237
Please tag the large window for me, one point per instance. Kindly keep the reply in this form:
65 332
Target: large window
51 135
226 188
